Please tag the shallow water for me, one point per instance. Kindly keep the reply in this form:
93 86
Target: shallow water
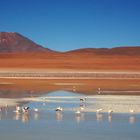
89 125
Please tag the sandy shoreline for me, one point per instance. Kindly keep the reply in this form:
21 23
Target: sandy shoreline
67 74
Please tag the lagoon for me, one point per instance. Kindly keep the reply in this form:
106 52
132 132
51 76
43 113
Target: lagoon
46 123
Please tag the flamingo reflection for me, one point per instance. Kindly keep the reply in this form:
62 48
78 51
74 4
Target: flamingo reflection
79 116
132 119
59 116
25 117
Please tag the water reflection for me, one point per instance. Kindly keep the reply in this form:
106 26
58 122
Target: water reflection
132 119
120 121
17 116
110 118
59 116
64 116
0 116
99 117
36 116
25 117
79 117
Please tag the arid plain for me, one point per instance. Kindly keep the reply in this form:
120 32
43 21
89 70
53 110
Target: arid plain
28 57
72 63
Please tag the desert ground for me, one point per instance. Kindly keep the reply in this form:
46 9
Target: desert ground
85 62
75 61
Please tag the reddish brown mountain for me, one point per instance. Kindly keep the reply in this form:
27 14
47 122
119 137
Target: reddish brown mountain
125 50
14 42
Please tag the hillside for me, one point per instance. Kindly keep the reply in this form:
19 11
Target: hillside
15 42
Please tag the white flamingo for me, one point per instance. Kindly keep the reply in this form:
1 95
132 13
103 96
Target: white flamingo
82 108
131 111
18 109
59 109
110 111
35 109
99 110
78 112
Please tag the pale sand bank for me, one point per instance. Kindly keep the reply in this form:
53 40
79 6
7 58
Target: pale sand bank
118 104
4 102
67 74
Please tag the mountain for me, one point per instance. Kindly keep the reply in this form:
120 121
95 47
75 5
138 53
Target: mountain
124 50
14 42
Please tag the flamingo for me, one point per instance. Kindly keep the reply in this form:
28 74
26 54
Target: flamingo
77 112
36 109
131 110
99 90
25 109
82 108
18 109
99 110
110 111
59 109
83 99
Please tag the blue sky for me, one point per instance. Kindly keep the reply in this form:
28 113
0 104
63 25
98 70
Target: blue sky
71 24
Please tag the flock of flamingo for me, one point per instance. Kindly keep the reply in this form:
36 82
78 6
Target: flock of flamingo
60 109
24 111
